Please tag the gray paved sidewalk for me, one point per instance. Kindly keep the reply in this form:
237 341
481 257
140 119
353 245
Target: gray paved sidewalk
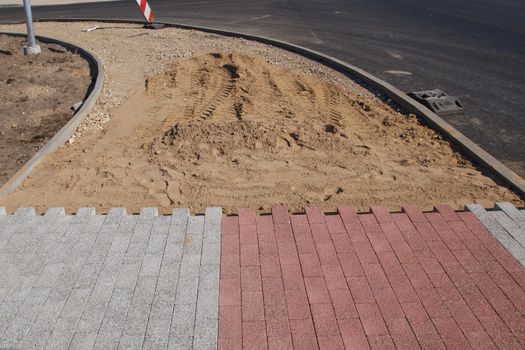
109 281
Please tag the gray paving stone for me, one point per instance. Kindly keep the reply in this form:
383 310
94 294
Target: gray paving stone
83 341
206 320
62 334
194 235
151 265
181 343
193 244
139 240
498 231
37 336
158 235
195 226
190 265
49 276
212 226
207 304
106 338
82 215
75 303
179 218
122 239
168 277
4 219
24 319
20 234
209 276
131 341
187 288
119 304
95 308
182 327
138 314
114 319
19 240
207 313
85 304
117 212
34 263
211 253
3 293
175 240
213 216
55 212
128 275
212 234
39 333
25 256
86 211
25 212
8 311
205 335
155 247
510 226
159 324
172 253
516 215
95 261
147 214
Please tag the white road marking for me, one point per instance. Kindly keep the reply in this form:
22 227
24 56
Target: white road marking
397 72
251 19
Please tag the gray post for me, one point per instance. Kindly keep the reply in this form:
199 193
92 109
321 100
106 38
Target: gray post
32 48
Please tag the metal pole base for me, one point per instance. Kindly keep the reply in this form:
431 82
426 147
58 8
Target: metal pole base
151 25
32 50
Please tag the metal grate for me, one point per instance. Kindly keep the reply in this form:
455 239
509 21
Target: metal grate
438 101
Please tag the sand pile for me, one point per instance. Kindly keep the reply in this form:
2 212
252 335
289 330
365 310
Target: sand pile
232 130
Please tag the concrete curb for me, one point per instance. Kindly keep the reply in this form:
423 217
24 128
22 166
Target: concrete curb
480 156
67 130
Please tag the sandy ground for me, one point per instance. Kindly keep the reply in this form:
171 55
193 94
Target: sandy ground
37 95
193 119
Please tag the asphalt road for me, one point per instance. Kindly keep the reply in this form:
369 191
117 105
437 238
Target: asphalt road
473 49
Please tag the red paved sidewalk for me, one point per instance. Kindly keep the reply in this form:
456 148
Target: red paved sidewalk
405 280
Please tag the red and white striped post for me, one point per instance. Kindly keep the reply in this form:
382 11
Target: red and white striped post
146 10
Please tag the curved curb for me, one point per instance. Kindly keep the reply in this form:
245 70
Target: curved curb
63 135
479 155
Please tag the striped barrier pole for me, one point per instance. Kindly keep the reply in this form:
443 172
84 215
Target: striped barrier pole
146 10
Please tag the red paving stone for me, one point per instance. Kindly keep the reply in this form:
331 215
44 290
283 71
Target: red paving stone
379 280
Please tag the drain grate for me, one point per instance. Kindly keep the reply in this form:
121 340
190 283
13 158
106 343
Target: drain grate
438 101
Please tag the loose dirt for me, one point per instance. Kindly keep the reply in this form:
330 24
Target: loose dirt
219 121
37 95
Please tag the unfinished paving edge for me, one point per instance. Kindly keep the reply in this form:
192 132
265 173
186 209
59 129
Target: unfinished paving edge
63 135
